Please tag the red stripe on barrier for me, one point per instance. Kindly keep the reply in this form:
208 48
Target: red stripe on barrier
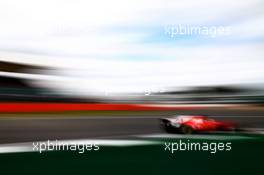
59 107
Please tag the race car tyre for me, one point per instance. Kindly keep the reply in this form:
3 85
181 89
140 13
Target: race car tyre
186 129
168 128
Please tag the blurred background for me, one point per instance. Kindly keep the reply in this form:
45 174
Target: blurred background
35 83
108 71
132 59
132 52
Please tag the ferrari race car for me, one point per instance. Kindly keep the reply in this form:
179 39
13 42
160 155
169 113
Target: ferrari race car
188 124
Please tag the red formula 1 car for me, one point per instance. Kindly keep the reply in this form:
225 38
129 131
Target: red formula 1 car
188 124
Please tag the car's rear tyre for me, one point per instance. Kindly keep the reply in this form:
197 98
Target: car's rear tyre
186 129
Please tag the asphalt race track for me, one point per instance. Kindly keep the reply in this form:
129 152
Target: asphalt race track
14 130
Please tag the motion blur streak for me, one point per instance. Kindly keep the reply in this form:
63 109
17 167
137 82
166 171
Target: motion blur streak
27 146
117 57
56 107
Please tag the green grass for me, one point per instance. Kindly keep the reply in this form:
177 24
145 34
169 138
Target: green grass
246 157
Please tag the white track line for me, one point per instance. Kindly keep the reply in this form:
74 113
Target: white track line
29 147
196 136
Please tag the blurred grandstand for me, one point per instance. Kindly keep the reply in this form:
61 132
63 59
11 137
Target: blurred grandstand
14 88
212 94
17 89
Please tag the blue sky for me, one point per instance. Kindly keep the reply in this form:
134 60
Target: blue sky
122 45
